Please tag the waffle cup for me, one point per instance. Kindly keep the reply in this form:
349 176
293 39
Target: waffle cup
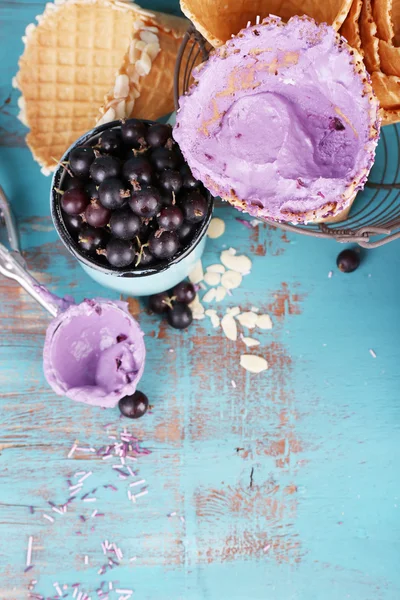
218 20
69 65
143 86
370 28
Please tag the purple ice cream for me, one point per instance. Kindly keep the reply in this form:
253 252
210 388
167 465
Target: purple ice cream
281 121
94 352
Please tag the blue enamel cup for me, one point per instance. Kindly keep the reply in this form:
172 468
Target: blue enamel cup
132 282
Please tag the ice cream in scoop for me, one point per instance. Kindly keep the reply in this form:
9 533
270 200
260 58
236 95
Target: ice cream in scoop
281 121
94 352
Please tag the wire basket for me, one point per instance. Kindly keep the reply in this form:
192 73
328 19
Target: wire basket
374 218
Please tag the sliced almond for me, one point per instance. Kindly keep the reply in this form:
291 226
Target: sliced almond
253 363
215 321
255 309
129 107
248 319
143 65
264 322
220 294
148 36
229 327
120 110
231 280
153 49
250 342
210 295
196 274
212 278
134 53
217 268
138 25
234 311
216 228
140 45
108 116
239 263
197 309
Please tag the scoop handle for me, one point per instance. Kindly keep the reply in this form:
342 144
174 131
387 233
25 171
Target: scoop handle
12 266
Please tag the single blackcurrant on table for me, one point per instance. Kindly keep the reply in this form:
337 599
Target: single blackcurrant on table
134 406
348 260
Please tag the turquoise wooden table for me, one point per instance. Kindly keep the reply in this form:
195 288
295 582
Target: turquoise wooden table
278 486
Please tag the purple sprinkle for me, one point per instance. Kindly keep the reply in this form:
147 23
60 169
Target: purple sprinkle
112 487
28 568
78 532
75 585
99 515
244 222
122 472
85 496
69 482
31 510
82 518
50 503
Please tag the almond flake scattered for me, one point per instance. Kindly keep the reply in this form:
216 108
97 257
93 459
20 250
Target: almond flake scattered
220 294
234 311
212 278
229 327
216 228
217 268
214 318
250 342
210 295
264 322
248 319
231 280
253 363
197 309
196 274
239 263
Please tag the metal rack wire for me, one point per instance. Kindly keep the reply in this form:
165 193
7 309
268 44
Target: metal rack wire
374 218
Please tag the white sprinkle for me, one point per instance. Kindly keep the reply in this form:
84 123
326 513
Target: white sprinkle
78 473
229 327
107 457
196 274
80 449
172 514
29 551
122 459
248 25
233 383
372 353
258 20
104 548
132 559
266 548
75 487
110 585
216 228
253 363
255 309
94 513
121 591
264 322
48 518
129 495
116 466
112 437
86 559
254 223
231 280
131 458
171 350
217 268
330 274
57 510
71 452
140 482
130 471
85 477
80 595
58 589
182 519
89 499
250 342
75 592
212 278
141 494
210 295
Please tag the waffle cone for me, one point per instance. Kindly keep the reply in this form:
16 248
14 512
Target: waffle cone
389 58
148 95
389 117
218 20
369 39
68 65
387 88
382 14
351 29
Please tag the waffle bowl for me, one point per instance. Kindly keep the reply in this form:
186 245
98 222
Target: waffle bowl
374 218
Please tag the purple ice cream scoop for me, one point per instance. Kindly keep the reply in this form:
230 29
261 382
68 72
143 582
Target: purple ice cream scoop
281 121
94 352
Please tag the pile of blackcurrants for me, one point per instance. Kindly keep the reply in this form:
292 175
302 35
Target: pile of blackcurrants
128 198
175 304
